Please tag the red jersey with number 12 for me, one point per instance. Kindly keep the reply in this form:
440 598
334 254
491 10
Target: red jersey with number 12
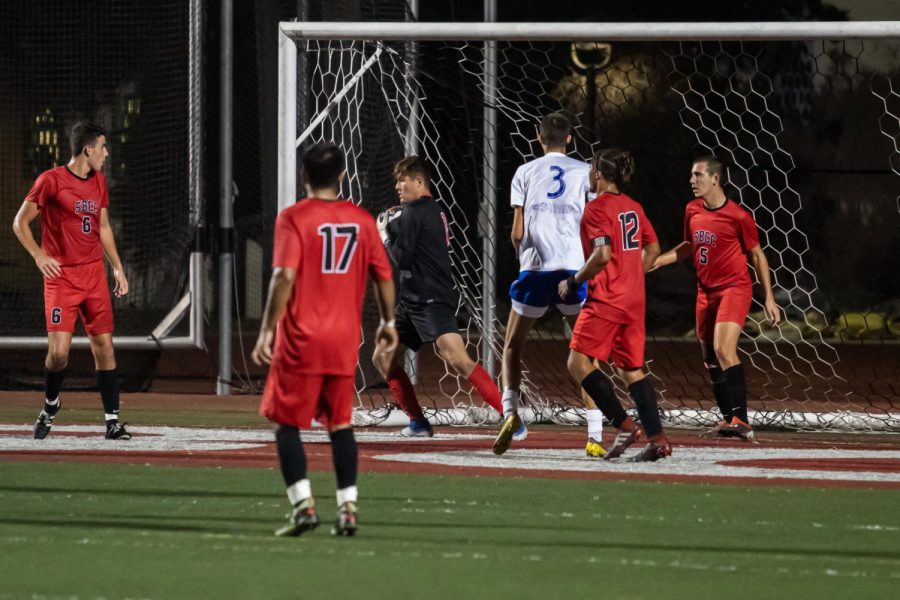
335 248
70 214
721 239
617 292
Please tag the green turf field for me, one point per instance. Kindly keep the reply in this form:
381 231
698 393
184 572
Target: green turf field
111 531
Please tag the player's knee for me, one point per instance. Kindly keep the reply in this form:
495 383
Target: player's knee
726 356
578 365
57 358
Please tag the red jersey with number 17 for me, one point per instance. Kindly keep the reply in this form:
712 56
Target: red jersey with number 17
721 239
617 292
70 214
335 248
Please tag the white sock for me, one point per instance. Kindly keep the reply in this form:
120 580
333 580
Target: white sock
53 402
595 424
510 401
299 491
348 494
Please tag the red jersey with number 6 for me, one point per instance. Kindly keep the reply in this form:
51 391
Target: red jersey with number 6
335 248
721 239
617 292
70 214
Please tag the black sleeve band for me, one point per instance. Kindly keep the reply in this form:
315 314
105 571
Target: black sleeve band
603 240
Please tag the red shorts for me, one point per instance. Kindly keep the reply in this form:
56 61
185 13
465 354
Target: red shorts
623 343
729 305
81 290
296 398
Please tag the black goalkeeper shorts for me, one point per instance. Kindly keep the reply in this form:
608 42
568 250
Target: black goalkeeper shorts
424 323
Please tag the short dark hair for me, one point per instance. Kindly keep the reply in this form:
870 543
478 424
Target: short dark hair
84 134
713 165
555 129
413 166
323 164
614 164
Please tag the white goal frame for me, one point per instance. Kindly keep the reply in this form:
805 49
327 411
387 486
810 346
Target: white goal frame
292 36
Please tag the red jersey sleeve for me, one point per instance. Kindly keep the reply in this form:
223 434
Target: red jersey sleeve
104 191
379 264
287 249
648 234
748 232
44 188
687 223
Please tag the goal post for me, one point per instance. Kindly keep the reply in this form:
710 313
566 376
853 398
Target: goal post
771 99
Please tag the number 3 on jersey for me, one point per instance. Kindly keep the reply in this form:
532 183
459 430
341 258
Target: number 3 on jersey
331 262
561 183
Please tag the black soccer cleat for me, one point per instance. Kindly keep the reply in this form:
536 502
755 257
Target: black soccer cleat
45 420
346 523
302 518
117 431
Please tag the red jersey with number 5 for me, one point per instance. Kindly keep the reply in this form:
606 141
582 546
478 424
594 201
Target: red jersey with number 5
721 239
335 248
617 292
70 214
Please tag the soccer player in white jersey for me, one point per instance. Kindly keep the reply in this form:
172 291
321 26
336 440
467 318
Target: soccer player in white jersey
548 196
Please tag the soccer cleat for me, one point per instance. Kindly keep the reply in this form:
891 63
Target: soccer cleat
521 433
45 420
346 523
654 451
623 440
742 430
594 449
117 431
721 429
303 518
417 428
511 425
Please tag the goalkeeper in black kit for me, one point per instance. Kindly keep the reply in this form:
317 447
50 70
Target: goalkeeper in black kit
417 237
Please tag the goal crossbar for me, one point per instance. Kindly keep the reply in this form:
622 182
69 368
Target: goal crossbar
589 32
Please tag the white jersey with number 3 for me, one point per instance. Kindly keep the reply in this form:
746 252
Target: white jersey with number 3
552 189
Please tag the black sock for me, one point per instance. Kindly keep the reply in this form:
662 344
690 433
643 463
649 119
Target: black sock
290 454
108 382
736 381
53 382
720 391
599 388
644 397
345 457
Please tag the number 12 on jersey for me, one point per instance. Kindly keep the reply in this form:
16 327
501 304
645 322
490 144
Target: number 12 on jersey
629 222
331 233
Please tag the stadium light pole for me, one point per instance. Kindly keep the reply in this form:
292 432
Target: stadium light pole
488 212
226 214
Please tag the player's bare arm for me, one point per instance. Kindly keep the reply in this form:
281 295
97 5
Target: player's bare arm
649 254
679 253
108 241
596 263
280 286
386 336
761 266
47 265
518 227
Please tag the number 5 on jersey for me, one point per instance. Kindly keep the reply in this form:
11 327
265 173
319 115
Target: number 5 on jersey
331 236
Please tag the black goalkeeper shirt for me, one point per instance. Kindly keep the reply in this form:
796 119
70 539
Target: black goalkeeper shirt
419 248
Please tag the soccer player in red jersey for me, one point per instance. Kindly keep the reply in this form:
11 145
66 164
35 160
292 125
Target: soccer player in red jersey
619 245
719 235
418 242
72 202
326 249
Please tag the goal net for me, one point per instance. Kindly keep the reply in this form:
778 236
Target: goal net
809 130
147 101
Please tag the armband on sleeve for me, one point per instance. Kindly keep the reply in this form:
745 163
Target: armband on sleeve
603 240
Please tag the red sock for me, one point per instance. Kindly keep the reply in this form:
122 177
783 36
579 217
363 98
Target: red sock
404 394
486 388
